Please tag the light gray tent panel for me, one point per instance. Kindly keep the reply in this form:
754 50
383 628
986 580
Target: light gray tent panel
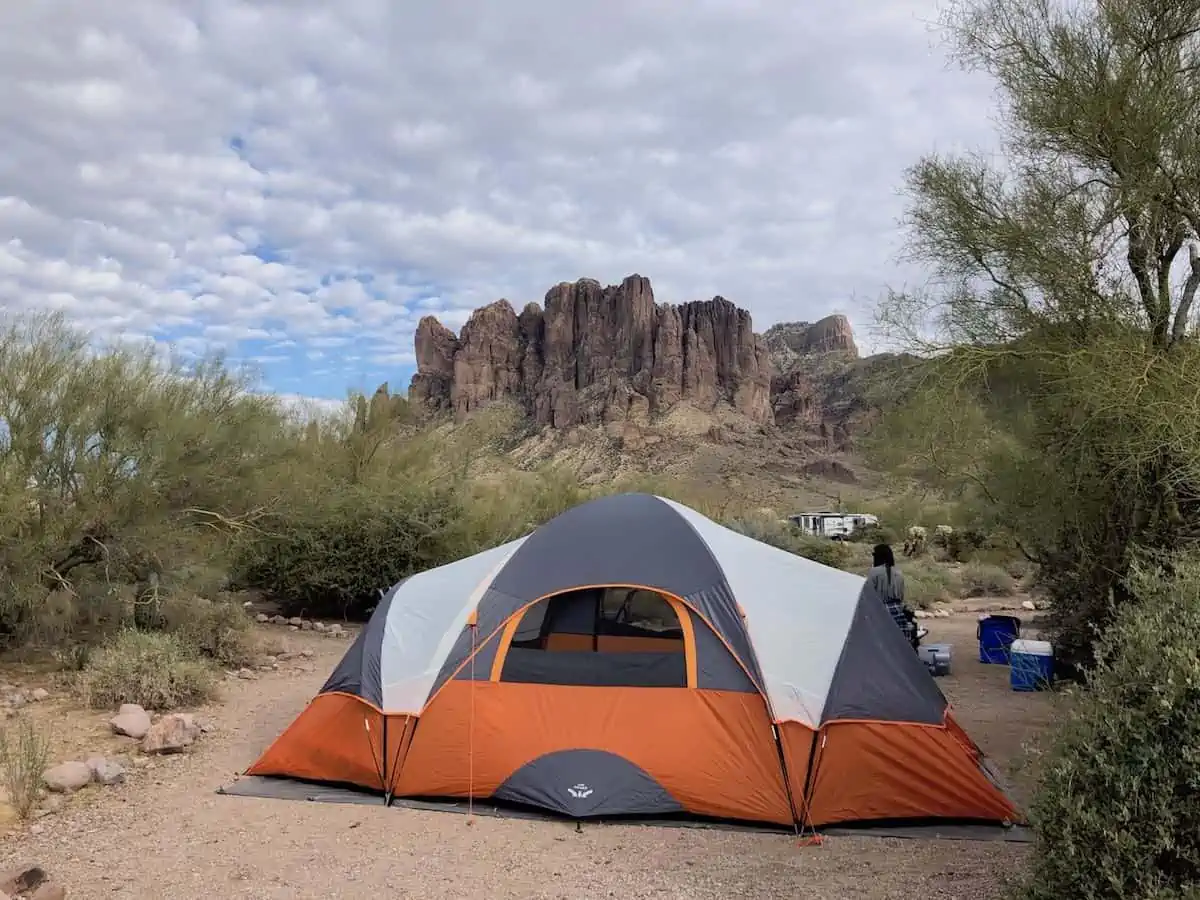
426 616
798 613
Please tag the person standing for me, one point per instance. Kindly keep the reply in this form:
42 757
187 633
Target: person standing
888 582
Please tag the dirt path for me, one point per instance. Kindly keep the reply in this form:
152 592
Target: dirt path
167 834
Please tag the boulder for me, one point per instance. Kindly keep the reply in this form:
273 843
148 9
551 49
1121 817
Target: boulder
105 771
22 879
68 777
131 720
172 733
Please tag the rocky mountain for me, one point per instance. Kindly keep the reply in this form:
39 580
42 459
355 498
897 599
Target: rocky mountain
594 355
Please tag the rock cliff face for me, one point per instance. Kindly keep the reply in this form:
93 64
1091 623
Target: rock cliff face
596 355
788 341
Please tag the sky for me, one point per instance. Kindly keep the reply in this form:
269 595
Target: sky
295 183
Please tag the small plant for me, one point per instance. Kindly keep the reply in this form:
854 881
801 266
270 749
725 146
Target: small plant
157 670
74 658
984 580
927 583
23 760
217 629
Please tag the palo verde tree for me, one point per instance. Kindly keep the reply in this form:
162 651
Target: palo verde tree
1065 379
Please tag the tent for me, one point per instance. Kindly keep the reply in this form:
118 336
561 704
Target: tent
634 658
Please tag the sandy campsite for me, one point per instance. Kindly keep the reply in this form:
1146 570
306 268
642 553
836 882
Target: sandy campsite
165 832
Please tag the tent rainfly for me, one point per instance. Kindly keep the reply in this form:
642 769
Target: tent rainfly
633 658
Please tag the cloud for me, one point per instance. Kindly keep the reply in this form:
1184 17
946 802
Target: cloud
298 182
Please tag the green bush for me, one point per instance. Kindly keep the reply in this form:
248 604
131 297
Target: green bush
331 554
927 583
157 670
982 580
873 534
118 474
1117 813
219 629
963 543
787 537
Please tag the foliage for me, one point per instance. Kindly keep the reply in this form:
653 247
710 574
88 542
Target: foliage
413 499
964 543
23 761
115 471
1117 814
330 554
979 579
157 670
927 583
787 537
873 534
219 629
1060 396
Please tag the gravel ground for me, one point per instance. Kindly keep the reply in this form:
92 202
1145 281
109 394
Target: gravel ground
166 834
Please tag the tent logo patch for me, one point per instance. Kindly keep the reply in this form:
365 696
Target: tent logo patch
580 791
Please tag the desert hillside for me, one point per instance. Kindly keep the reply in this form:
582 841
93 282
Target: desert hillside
610 381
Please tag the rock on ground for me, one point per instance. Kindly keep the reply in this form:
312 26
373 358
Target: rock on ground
131 720
68 777
105 771
171 734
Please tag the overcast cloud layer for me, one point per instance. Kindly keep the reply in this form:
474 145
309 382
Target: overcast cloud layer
300 181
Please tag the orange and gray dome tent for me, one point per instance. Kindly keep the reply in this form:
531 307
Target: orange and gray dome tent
631 657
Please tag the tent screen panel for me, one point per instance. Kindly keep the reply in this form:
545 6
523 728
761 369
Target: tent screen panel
612 636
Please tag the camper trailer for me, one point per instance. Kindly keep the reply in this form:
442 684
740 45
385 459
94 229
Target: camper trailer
834 525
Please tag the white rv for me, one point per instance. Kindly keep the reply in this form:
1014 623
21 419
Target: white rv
834 525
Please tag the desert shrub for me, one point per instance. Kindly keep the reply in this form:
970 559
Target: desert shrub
787 537
927 583
834 554
116 472
509 504
963 543
1117 813
873 534
1017 566
24 756
331 554
157 670
219 629
978 579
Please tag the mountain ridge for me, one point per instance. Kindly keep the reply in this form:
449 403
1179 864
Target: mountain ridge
608 355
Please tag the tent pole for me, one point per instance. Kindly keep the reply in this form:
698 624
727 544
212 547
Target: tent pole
387 794
787 781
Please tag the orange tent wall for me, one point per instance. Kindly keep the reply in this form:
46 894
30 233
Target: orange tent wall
329 742
712 750
885 770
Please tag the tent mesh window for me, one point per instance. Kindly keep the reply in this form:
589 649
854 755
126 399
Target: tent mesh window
613 637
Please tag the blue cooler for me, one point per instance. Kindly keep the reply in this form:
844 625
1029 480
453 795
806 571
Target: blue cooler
995 634
1032 666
